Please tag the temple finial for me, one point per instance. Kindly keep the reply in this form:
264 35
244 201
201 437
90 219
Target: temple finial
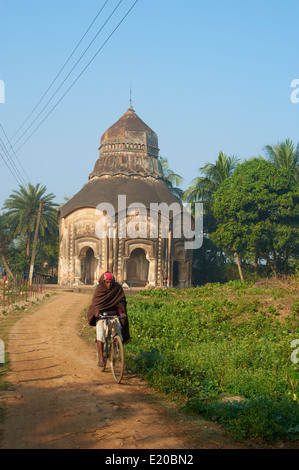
131 104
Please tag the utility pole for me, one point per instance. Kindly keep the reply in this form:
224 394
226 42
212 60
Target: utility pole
40 210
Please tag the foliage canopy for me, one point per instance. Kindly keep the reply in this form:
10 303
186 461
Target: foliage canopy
257 213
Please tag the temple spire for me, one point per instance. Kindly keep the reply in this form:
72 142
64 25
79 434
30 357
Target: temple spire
131 105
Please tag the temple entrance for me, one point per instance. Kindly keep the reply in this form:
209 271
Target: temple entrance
137 268
179 271
175 273
88 266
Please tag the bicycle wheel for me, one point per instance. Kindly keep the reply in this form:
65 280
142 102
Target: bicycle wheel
117 359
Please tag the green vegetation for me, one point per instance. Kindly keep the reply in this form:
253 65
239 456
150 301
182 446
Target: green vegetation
207 344
257 213
250 215
22 208
17 227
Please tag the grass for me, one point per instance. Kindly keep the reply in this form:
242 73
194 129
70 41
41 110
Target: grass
216 341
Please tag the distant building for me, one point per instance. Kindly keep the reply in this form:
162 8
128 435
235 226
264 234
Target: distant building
128 166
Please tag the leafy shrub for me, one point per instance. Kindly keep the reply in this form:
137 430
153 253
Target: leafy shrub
204 342
259 418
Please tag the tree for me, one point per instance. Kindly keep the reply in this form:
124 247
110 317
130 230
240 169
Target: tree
202 188
173 180
257 214
284 154
47 256
23 206
4 244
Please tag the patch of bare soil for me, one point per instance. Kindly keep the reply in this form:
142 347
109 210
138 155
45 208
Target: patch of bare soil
60 400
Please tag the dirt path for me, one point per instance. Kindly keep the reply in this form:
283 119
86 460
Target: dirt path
60 400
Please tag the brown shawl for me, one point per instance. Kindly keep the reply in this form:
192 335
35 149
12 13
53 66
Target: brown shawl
109 299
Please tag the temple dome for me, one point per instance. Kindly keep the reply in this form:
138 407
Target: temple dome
128 130
129 147
127 177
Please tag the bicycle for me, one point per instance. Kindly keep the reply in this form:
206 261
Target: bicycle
113 348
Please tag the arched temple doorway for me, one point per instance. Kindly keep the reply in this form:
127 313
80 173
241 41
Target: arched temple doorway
180 270
88 266
137 268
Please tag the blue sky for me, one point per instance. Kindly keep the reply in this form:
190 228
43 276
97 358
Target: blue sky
206 76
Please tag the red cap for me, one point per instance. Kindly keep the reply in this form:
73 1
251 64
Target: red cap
108 277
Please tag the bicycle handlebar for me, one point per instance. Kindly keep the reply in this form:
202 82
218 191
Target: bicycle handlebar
105 317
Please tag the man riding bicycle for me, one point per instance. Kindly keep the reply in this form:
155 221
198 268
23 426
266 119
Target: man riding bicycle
108 298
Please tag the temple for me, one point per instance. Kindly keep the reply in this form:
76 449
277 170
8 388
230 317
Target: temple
133 241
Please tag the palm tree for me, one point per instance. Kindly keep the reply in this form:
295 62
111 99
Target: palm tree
284 154
23 206
203 187
173 180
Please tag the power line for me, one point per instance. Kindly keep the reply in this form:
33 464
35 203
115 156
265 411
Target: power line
80 58
10 158
81 73
12 167
62 68
13 172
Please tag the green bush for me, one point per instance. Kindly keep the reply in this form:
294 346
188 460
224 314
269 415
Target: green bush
259 417
204 342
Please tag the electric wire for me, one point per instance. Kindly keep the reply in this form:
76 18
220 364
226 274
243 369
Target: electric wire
11 163
10 157
81 73
80 58
62 68
13 172
9 143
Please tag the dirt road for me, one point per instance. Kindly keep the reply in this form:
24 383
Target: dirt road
60 400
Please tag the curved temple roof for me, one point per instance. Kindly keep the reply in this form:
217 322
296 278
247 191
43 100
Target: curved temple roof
128 165
129 125
136 190
129 147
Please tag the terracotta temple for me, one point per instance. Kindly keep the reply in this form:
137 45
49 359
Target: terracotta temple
127 174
